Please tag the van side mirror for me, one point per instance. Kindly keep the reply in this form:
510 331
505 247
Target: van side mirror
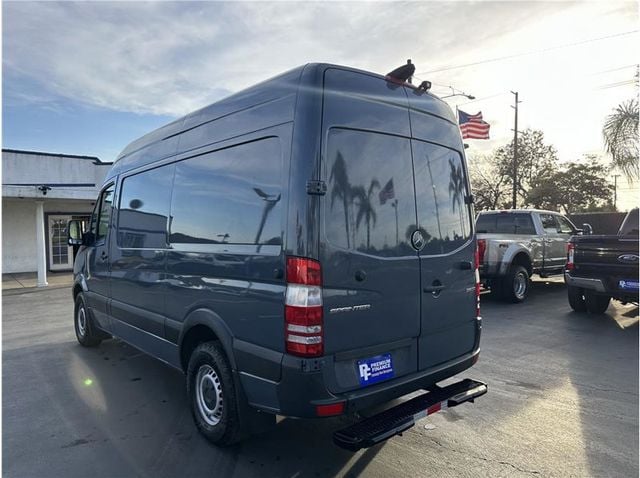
74 233
587 230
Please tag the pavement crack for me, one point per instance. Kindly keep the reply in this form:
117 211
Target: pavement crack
489 460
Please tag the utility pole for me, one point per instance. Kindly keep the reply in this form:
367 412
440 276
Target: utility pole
514 175
615 191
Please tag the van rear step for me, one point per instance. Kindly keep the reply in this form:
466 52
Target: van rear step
395 420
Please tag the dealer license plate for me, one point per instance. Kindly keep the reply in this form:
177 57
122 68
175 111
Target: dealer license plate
375 369
628 285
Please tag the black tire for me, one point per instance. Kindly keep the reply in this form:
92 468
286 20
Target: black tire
515 285
86 332
595 303
209 384
576 298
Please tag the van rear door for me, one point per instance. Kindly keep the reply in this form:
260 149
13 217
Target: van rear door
371 274
444 238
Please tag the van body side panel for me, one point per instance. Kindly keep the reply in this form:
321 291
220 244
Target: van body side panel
139 249
226 244
371 275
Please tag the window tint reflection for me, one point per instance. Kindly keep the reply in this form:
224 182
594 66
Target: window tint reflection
232 196
370 202
144 209
441 190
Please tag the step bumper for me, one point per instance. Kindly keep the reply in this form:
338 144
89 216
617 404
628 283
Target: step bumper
396 420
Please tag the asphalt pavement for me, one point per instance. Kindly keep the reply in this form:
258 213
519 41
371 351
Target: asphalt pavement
562 401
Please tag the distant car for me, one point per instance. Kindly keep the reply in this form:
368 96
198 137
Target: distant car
604 267
515 244
260 246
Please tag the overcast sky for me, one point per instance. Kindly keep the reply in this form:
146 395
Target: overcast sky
86 78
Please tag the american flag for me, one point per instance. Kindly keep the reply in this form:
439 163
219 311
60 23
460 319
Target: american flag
473 126
387 192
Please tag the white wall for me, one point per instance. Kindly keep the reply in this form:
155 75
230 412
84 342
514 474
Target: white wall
18 235
19 230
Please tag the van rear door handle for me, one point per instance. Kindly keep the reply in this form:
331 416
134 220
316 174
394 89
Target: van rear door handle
434 288
104 256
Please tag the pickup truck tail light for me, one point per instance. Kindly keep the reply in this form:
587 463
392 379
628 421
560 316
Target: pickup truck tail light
570 252
477 273
303 308
482 247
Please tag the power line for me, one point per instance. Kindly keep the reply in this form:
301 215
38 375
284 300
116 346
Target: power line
507 57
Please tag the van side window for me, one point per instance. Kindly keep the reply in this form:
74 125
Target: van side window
231 196
441 187
370 204
144 209
105 213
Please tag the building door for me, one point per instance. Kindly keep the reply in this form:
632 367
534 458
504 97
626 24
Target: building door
60 253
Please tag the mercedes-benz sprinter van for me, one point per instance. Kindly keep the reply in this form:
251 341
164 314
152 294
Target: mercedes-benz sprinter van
304 248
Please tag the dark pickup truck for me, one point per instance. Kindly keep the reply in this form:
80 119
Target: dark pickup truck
600 268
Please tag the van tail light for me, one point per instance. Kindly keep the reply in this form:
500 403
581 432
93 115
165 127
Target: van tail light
570 253
303 308
482 247
479 251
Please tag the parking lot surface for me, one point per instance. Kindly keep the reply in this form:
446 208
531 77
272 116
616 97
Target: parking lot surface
562 401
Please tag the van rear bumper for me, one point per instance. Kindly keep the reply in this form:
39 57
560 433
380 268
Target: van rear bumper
299 392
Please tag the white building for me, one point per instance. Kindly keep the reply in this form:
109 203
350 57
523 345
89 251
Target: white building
41 192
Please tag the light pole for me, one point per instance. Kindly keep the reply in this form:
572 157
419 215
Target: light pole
455 92
471 97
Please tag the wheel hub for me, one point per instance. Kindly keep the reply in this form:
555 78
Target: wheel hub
209 395
82 322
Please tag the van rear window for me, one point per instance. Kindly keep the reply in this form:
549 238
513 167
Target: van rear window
505 223
441 194
370 204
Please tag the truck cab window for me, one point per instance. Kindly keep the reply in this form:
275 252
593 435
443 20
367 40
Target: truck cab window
565 226
549 223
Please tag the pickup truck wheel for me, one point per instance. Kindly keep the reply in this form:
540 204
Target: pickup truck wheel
86 332
576 298
212 395
515 285
595 303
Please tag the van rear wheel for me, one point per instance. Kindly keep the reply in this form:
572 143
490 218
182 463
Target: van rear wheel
212 395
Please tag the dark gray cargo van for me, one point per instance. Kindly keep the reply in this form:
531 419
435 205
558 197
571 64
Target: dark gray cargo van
304 247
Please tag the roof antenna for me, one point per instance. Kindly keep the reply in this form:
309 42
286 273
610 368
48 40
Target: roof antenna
403 73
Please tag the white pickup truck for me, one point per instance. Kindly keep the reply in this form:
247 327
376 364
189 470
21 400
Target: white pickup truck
515 244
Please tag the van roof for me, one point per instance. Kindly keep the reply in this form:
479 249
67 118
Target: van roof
264 92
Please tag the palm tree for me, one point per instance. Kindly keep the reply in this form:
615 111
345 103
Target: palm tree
366 209
456 188
621 138
341 189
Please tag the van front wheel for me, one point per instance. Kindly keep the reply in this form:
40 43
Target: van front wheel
86 332
212 395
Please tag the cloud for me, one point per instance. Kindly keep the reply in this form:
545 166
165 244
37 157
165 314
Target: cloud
172 58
